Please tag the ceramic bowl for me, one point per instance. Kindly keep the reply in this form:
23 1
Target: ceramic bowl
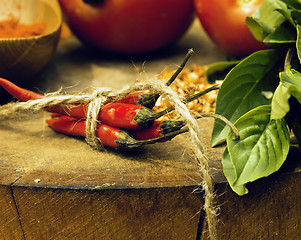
23 57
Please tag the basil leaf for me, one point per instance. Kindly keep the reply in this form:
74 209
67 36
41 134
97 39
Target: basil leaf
262 149
266 19
280 102
293 119
296 16
242 89
292 80
295 4
230 175
298 42
285 33
219 70
296 127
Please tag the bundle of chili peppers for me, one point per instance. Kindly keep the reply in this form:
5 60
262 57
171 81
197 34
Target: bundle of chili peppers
123 124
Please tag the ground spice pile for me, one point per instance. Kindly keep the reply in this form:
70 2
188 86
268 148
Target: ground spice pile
190 81
13 29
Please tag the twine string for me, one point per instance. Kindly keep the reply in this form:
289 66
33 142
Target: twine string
97 101
101 96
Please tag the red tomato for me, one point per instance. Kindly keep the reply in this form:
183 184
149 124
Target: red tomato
224 22
129 26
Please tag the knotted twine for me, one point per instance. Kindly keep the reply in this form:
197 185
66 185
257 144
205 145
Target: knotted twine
103 95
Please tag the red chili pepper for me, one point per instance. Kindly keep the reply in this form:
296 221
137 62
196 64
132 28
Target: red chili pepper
141 98
123 115
158 129
21 94
128 116
24 95
109 136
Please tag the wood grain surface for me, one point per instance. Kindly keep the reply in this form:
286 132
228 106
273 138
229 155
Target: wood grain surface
125 214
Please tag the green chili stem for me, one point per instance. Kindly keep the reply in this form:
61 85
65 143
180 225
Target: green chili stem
176 73
170 135
139 143
186 100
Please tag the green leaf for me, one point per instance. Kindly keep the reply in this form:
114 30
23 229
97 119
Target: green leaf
267 18
262 149
296 16
287 14
290 84
295 4
230 175
285 33
291 79
298 42
280 102
293 119
218 71
243 88
296 127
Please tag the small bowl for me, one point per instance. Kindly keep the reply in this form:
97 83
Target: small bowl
23 57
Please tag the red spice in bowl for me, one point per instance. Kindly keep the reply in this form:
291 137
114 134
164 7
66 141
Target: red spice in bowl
13 29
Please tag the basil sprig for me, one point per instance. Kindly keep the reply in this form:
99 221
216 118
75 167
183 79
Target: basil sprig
261 95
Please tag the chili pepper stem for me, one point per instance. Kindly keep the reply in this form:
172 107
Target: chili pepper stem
195 96
149 99
133 143
170 135
139 143
186 100
176 73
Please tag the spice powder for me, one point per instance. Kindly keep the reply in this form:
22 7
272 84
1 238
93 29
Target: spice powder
13 29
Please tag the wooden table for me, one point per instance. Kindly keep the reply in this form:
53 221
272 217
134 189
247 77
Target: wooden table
56 187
